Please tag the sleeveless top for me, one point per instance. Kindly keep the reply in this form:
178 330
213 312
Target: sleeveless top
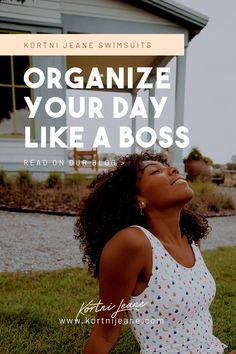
175 318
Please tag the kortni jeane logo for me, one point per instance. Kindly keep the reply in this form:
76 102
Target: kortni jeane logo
97 307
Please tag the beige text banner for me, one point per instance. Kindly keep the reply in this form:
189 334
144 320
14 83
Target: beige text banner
92 44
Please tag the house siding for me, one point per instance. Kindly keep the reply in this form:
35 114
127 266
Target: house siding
33 11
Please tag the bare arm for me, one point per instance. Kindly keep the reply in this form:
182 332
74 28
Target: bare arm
120 264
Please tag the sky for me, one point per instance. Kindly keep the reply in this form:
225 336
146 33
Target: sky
210 100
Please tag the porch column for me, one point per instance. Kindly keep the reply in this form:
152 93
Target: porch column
151 110
133 121
176 153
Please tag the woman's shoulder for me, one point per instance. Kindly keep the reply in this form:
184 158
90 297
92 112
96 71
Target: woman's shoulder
129 240
132 236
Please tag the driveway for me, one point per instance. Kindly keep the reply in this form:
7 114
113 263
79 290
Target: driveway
45 242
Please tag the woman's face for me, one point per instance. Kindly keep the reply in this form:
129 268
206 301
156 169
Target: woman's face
162 186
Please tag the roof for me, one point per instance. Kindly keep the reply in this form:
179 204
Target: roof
192 20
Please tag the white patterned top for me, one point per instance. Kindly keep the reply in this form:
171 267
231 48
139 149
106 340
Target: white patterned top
176 317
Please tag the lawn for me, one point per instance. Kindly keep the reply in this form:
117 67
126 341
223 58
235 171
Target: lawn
32 304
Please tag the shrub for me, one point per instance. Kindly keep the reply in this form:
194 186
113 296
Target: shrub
24 179
76 180
209 197
200 188
54 180
3 178
195 154
231 166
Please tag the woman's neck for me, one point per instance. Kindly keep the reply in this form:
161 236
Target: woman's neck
165 225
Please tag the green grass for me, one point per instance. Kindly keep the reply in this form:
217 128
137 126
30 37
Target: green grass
32 303
222 265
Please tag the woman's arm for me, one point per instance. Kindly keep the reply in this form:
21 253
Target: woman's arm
121 261
98 343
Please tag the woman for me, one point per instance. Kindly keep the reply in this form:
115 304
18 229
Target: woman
142 244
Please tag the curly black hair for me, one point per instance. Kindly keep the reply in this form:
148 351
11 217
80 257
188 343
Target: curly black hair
112 205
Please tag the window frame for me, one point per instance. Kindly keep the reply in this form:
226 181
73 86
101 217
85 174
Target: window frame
14 86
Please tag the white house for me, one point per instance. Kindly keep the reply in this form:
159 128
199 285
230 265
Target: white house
80 16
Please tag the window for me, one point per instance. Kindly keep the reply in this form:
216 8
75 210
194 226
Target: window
13 108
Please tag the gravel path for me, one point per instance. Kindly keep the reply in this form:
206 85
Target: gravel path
39 242
223 233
